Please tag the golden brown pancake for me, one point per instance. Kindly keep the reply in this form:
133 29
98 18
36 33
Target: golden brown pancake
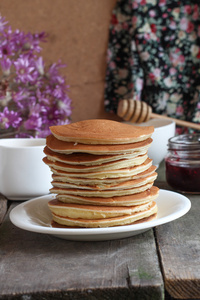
106 222
125 172
88 159
147 219
99 131
69 147
122 185
128 200
101 182
101 193
92 212
122 163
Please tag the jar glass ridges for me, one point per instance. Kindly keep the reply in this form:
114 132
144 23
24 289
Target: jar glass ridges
183 163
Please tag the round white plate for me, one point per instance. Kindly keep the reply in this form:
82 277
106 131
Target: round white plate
34 215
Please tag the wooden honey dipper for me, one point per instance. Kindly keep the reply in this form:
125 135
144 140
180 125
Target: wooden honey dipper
138 111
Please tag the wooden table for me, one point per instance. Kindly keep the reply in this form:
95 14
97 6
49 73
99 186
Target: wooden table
162 263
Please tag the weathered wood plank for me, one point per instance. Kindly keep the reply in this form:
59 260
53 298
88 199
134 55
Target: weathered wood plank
3 207
179 249
44 266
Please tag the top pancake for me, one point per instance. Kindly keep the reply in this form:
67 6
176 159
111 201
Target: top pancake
100 131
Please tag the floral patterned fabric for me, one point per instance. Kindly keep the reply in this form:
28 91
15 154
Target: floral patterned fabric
154 56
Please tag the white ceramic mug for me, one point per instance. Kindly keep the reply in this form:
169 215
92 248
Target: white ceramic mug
23 174
163 130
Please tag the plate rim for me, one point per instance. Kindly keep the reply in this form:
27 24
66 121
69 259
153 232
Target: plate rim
98 231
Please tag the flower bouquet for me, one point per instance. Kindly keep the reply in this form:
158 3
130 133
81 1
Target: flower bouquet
33 96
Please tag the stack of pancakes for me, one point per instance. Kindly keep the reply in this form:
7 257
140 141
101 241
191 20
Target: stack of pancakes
102 175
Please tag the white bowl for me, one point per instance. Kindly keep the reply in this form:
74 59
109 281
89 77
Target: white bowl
23 174
163 130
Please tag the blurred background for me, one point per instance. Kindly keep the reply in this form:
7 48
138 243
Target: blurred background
78 35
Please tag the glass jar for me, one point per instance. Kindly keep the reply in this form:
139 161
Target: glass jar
183 163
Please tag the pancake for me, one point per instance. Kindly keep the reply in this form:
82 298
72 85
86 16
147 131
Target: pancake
88 159
101 193
79 211
125 172
106 222
101 183
99 131
69 147
123 185
123 163
128 200
147 219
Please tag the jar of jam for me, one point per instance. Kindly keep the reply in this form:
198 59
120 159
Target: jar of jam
183 163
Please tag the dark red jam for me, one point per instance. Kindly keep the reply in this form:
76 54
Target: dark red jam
183 163
183 178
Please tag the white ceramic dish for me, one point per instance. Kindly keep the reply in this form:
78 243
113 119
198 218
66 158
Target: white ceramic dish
34 215
163 130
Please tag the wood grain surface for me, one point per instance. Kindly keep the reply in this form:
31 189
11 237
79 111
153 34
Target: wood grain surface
179 249
3 207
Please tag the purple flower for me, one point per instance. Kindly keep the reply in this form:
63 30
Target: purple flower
6 65
18 41
53 72
58 91
23 69
32 96
40 65
2 23
33 123
33 41
9 118
43 97
6 49
64 106
20 94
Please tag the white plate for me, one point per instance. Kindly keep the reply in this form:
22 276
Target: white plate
34 215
